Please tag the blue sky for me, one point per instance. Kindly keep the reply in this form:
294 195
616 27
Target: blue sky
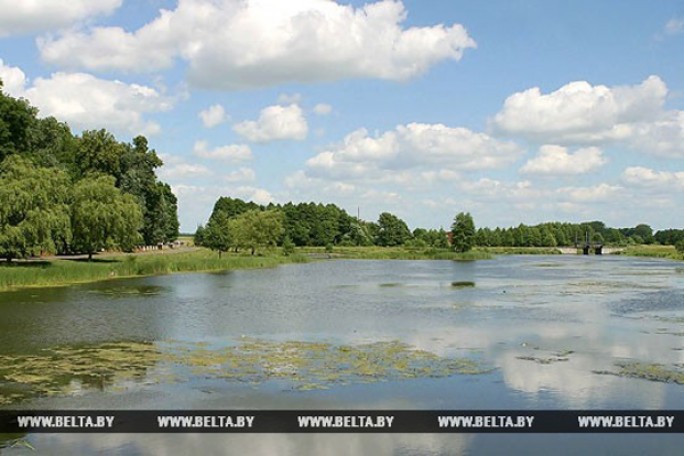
516 111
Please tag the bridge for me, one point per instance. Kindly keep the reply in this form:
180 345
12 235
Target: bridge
586 250
597 248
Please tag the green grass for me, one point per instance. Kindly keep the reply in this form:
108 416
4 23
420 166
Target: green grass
522 250
20 274
397 253
654 251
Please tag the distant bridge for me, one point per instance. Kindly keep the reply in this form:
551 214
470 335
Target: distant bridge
587 249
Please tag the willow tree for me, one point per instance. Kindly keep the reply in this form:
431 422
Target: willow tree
33 208
103 217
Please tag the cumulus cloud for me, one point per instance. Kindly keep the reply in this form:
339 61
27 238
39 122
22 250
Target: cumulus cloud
556 160
412 146
213 115
231 153
322 109
232 44
579 113
13 79
646 177
275 123
86 102
241 175
21 17
593 194
184 170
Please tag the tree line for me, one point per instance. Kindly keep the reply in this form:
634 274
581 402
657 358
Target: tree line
65 193
236 224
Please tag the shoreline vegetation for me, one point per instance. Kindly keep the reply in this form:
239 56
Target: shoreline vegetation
57 271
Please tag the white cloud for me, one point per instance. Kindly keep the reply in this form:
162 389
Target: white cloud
231 153
251 43
412 146
13 79
664 136
20 17
580 112
275 123
322 109
258 195
241 175
86 102
674 26
213 115
184 170
646 177
598 193
556 160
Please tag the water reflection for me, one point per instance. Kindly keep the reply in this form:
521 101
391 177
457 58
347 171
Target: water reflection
547 324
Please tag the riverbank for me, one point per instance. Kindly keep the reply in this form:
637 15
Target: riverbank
394 253
69 271
56 271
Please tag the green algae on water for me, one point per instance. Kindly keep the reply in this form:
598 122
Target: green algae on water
648 371
302 366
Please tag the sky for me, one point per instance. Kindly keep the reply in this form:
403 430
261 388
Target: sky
517 111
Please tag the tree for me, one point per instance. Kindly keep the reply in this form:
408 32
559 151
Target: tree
100 152
680 246
392 230
254 229
288 246
103 217
17 119
463 232
33 208
217 234
645 233
198 239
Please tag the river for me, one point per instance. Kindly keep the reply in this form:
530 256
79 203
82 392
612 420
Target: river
528 332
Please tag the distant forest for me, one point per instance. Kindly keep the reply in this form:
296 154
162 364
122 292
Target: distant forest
63 193
311 224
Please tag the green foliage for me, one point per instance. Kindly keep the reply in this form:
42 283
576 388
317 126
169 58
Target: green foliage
463 232
17 119
392 230
288 246
256 229
48 143
217 236
63 272
102 217
680 246
199 237
33 208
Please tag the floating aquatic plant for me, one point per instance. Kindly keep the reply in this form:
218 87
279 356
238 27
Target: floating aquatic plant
647 371
114 367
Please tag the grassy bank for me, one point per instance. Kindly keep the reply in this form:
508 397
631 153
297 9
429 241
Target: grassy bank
396 253
653 251
522 250
20 274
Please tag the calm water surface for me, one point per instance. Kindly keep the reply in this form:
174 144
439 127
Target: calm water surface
540 326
